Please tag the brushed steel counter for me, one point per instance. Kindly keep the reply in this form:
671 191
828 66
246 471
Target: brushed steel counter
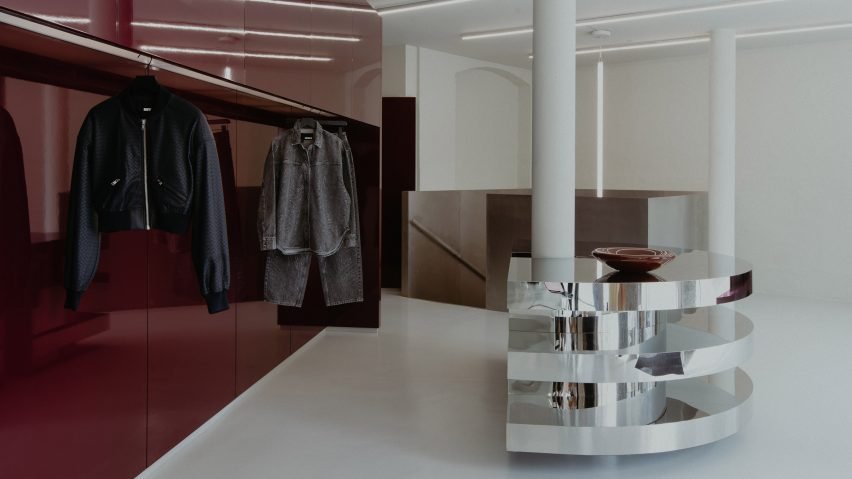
456 245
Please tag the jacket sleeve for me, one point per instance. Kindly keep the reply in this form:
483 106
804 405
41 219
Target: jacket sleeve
354 236
267 213
209 224
83 241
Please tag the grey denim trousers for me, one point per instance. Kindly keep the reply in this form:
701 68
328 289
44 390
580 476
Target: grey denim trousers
326 181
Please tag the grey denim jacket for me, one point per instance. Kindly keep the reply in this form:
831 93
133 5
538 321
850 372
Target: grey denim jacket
308 200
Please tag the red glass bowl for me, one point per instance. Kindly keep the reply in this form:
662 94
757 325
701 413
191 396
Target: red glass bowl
633 260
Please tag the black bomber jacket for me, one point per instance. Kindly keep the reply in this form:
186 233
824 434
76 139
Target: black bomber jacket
147 160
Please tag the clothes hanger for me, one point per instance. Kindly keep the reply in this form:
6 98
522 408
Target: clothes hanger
340 124
145 84
309 122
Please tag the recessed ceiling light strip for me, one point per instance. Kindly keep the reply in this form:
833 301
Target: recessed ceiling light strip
784 31
240 31
626 17
419 6
705 38
643 45
497 33
320 6
629 17
223 53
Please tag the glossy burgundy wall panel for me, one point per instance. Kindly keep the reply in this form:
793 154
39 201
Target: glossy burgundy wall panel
72 385
108 390
330 85
224 15
191 371
349 84
261 342
191 354
367 69
288 78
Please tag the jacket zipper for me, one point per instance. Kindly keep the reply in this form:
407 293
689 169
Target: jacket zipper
145 171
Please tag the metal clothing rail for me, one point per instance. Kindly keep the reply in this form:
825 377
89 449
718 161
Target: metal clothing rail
61 33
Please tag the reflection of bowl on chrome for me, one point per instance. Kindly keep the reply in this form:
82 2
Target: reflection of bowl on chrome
633 260
628 277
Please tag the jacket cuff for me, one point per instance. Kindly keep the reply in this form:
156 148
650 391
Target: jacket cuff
267 243
217 302
72 299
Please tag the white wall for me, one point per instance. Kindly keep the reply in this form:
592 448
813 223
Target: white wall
794 145
493 139
473 118
656 125
794 115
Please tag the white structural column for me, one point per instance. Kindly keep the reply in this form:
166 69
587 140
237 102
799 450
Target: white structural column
723 115
554 106
722 196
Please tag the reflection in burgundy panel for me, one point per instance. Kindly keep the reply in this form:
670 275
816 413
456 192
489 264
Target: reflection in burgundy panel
160 26
191 366
77 397
366 86
261 343
72 385
70 13
330 81
190 371
288 78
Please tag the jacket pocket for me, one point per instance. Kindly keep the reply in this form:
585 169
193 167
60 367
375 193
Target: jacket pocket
171 196
112 198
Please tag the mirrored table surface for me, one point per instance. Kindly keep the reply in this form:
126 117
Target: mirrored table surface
693 279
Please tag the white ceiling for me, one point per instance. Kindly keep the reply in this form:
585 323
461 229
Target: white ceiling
440 28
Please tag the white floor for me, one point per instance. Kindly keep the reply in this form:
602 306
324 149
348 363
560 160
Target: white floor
424 397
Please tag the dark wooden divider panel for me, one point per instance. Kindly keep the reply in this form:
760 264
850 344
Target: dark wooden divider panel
399 143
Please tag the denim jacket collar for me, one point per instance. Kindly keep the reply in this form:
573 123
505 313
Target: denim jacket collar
319 132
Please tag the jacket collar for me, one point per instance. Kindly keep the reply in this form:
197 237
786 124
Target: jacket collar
319 132
130 102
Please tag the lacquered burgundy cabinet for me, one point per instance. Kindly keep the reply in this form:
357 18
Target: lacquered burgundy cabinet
261 342
107 390
72 385
191 354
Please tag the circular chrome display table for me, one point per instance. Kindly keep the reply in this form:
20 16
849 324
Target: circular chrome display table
602 362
